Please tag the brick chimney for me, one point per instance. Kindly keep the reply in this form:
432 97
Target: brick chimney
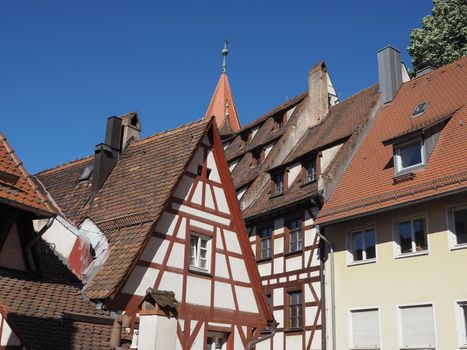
106 154
131 127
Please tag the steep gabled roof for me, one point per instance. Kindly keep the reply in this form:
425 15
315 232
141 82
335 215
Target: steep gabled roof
17 188
368 183
133 197
343 121
222 107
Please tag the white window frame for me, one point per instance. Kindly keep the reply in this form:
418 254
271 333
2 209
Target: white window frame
350 261
397 248
350 325
197 267
397 157
452 234
399 324
461 326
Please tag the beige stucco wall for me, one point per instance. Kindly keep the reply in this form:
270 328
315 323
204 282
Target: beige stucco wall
438 278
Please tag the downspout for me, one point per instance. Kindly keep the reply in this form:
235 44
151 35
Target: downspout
333 314
271 327
33 241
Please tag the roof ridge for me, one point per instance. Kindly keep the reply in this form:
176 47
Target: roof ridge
63 165
173 130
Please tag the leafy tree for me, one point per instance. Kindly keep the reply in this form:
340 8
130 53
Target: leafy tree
443 36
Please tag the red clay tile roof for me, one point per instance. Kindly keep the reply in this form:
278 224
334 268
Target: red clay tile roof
134 195
33 309
217 107
63 184
367 184
17 188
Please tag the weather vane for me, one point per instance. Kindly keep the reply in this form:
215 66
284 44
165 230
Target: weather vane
225 52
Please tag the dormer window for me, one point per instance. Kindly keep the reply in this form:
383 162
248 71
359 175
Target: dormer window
409 155
278 180
310 170
420 109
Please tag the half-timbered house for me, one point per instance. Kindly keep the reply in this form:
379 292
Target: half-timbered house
283 165
160 214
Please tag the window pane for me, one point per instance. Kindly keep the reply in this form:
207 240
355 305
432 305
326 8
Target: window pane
405 237
365 329
418 327
357 246
370 243
410 154
460 226
419 234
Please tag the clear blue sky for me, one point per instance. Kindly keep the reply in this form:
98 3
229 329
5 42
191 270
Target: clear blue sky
67 65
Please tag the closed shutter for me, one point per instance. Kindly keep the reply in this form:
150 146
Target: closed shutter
418 326
365 329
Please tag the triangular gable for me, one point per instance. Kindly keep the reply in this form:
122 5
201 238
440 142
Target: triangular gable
203 206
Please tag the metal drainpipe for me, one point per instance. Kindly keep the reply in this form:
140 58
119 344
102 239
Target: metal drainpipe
33 242
333 315
272 325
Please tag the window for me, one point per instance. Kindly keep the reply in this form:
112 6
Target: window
362 244
459 225
295 309
417 327
278 183
462 323
265 237
199 252
409 155
420 109
310 170
295 235
365 329
216 341
411 235
269 299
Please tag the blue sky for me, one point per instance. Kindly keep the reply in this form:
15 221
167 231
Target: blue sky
67 65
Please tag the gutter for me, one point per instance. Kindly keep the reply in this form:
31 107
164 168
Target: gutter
333 312
33 242
271 327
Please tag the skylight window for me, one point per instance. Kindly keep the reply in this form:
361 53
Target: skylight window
86 174
420 109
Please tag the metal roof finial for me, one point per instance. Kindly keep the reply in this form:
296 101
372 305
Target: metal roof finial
225 52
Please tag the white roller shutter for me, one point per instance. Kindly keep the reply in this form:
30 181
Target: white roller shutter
418 327
365 329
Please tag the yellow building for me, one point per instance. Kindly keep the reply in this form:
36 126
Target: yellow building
396 223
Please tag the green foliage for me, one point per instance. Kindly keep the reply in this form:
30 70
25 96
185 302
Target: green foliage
443 36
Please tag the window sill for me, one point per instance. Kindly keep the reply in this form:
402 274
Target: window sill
409 255
199 272
276 195
362 262
459 247
292 254
263 260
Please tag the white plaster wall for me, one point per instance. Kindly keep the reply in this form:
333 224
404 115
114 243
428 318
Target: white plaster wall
198 194
200 213
157 332
201 225
166 224
293 173
61 237
310 315
293 342
197 160
278 296
231 240
223 297
198 291
182 229
264 269
316 342
171 281
221 266
7 336
211 164
209 197
155 250
239 271
246 299
279 317
264 345
268 149
309 237
278 265
327 156
278 245
177 255
254 131
221 200
278 226
184 187
290 112
198 344
93 235
241 193
140 280
308 296
294 263
232 165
